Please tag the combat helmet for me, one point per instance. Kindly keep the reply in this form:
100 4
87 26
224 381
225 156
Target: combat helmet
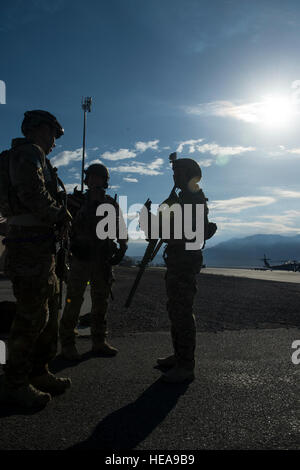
99 169
36 117
187 165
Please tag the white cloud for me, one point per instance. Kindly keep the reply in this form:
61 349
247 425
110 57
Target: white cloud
191 143
255 226
222 154
205 163
119 154
130 180
141 168
286 218
285 223
238 204
137 236
218 151
131 215
115 186
70 186
284 151
246 112
66 157
269 109
143 146
294 151
156 164
97 160
286 193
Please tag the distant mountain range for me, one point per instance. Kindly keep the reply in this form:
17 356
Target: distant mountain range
241 252
236 252
248 251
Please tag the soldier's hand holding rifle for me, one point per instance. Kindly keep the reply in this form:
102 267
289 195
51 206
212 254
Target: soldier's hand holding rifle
151 250
64 224
62 267
154 244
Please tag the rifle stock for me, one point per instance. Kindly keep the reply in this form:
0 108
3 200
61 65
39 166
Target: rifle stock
150 253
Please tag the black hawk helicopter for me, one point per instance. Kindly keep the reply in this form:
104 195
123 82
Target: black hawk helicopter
287 265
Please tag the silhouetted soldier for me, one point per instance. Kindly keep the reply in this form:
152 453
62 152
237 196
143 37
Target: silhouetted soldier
30 263
92 260
182 267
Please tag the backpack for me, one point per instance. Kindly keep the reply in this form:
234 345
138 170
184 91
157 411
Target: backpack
5 185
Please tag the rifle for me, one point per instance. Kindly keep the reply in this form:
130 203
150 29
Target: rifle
149 255
150 252
62 257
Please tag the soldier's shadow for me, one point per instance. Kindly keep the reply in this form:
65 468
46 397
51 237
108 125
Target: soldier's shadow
59 363
127 427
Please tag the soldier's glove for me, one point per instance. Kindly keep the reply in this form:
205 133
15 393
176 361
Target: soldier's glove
119 254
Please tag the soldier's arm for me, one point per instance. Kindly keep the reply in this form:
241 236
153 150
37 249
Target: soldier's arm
27 178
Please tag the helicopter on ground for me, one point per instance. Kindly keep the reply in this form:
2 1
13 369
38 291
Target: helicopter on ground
287 265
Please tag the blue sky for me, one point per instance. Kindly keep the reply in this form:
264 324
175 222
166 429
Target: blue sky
215 80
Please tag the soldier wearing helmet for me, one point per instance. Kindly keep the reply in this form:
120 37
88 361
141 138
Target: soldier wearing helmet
182 268
92 261
36 211
95 171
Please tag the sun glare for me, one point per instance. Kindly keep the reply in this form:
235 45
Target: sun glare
276 111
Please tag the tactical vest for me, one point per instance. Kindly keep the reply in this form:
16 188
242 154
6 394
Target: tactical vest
10 204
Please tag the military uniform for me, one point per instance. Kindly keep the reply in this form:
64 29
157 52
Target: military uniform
30 263
181 287
90 265
183 265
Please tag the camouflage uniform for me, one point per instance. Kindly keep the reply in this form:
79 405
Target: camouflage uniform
90 264
30 263
181 287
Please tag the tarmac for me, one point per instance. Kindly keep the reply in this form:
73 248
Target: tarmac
245 396
262 274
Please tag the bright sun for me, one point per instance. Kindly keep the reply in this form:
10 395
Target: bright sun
276 111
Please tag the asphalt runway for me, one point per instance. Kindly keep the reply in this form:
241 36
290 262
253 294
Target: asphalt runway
245 396
279 276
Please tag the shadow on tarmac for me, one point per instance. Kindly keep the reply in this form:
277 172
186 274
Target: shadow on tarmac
127 427
59 363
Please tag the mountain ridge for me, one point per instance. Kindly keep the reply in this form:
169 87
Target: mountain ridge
243 252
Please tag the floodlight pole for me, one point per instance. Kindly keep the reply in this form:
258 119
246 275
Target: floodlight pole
86 104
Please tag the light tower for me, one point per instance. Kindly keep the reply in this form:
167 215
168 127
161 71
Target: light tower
86 104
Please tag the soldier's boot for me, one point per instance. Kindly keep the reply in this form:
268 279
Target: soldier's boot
26 396
104 348
178 374
70 353
167 362
51 384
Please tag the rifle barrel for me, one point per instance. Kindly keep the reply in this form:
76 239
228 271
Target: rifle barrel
146 258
